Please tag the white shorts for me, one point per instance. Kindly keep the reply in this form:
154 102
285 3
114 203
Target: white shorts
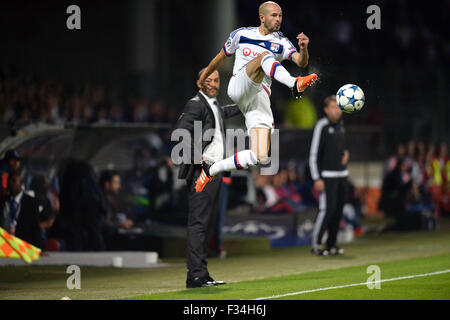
253 101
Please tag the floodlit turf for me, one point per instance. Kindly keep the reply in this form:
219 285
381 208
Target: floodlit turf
426 287
281 271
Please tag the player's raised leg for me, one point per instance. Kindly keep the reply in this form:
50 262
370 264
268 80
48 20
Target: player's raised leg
266 64
259 153
274 69
260 143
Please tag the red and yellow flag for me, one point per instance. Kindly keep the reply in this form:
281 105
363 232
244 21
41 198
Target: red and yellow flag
13 247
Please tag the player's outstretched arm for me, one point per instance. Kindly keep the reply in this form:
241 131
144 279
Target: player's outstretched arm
214 65
301 58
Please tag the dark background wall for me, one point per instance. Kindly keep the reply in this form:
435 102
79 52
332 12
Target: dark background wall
35 39
155 48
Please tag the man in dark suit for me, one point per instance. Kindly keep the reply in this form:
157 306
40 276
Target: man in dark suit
19 213
203 108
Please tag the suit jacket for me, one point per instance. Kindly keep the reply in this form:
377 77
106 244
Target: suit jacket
198 109
27 227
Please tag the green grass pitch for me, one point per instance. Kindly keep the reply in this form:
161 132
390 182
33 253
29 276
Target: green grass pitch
287 273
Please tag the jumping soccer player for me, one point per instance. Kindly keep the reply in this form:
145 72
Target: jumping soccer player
259 51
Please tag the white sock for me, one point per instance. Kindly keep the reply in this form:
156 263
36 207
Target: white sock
241 160
274 69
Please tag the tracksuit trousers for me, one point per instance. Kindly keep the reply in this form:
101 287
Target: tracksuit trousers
331 204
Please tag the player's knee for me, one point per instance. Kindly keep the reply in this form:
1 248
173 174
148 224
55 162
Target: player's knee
265 53
261 57
234 95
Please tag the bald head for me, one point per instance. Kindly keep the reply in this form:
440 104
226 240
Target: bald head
270 15
267 6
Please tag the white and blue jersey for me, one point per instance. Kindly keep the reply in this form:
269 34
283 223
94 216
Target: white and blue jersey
249 43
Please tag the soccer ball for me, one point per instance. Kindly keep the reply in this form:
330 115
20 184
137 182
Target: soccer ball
350 98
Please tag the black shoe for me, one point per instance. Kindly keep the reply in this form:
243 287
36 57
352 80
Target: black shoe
336 251
200 282
320 252
216 282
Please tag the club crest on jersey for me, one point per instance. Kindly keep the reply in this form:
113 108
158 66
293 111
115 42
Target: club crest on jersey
275 47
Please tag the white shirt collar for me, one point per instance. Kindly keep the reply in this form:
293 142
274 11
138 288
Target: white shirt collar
210 100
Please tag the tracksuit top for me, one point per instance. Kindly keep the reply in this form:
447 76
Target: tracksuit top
327 149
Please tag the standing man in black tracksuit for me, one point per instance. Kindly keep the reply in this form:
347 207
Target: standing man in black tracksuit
328 164
203 109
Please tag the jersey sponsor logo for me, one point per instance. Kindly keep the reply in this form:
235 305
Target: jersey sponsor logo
248 52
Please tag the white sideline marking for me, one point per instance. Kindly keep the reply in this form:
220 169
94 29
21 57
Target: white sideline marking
353 285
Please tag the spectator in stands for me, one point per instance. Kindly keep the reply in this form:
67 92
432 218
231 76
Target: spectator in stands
352 211
116 113
141 110
429 157
396 190
418 165
82 207
74 109
20 212
158 112
40 185
400 152
46 220
110 184
293 185
440 175
410 154
420 210
266 194
306 189
10 163
289 199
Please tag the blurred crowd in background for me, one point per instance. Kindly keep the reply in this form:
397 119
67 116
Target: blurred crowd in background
416 185
26 98
80 209
411 43
413 33
403 69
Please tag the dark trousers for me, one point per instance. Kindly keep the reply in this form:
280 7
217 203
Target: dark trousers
223 205
331 204
203 208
